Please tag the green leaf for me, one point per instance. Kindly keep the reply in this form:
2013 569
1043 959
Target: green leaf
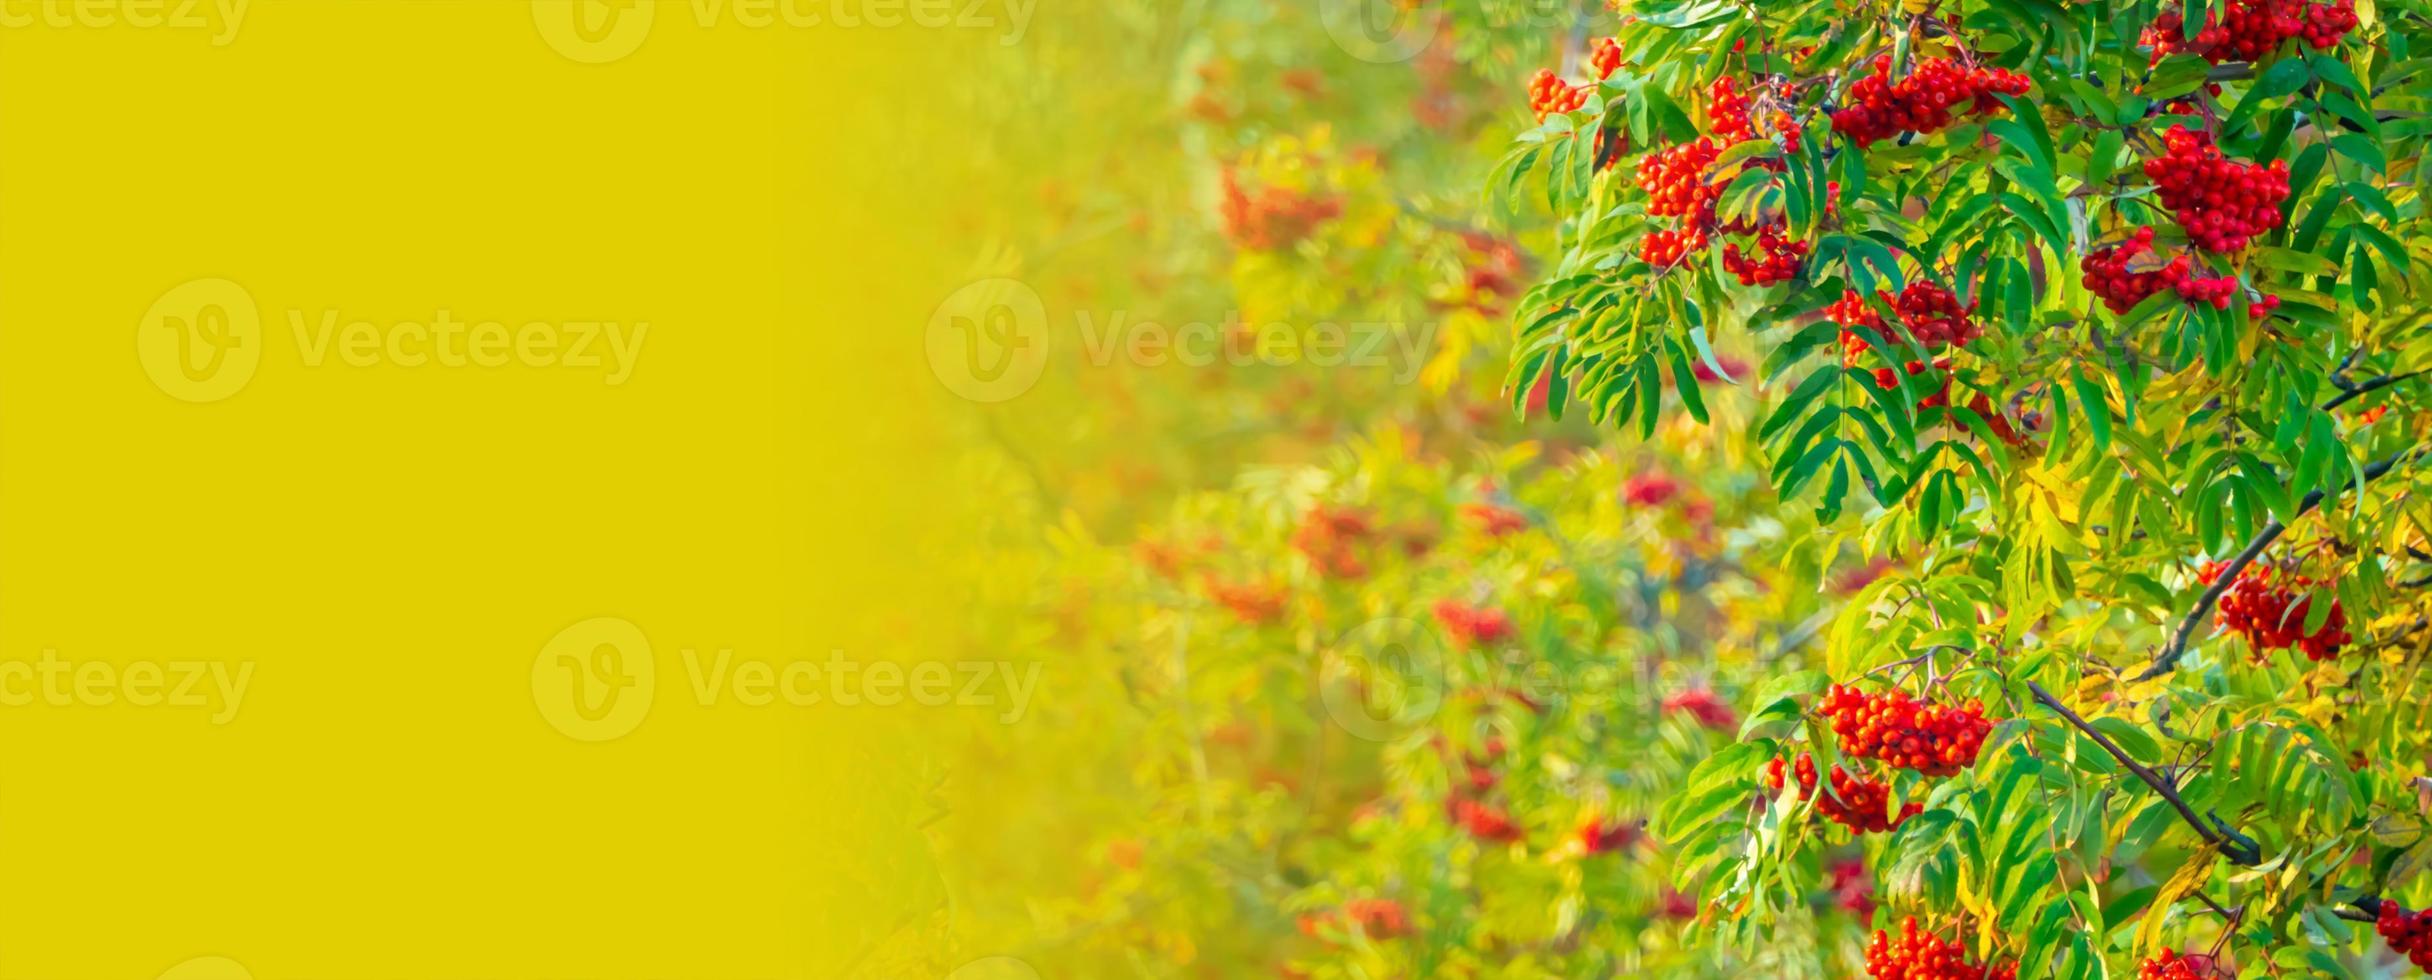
2098 410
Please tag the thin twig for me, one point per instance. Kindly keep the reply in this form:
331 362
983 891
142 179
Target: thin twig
2237 847
2364 387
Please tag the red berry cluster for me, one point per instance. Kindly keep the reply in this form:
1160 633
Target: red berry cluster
1680 183
2111 274
2221 202
1933 739
1601 837
2174 965
2327 23
1727 111
1605 57
1549 95
1255 603
1782 257
1928 313
1664 247
2264 606
1917 955
1675 181
1850 311
1652 488
1922 102
1493 521
1701 704
1887 379
2408 933
1484 821
1851 888
1993 418
1336 540
1933 316
1494 267
1170 559
2249 30
1273 218
1478 771
1376 918
1473 626
1857 802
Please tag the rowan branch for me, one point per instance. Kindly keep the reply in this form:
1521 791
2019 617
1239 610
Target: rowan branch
2362 388
2238 847
2167 658
2368 909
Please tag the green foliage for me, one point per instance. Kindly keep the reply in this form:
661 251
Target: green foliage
2054 483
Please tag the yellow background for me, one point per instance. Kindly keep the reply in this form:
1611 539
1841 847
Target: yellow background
390 547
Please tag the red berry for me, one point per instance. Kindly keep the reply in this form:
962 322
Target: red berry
2409 933
2174 965
1473 626
2222 203
1919 955
1857 802
2263 606
1273 218
1922 102
2251 30
1892 727
1549 95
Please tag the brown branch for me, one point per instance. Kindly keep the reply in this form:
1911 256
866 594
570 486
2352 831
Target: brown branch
2363 388
2167 658
2236 846
2368 909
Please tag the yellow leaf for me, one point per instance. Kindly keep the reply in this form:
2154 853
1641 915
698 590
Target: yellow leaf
2190 877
